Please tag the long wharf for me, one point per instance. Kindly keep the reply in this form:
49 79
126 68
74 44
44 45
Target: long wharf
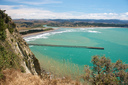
100 48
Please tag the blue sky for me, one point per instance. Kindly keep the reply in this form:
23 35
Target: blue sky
66 9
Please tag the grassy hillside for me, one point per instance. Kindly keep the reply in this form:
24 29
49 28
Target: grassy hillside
14 51
8 59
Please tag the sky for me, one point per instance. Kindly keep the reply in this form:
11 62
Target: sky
66 9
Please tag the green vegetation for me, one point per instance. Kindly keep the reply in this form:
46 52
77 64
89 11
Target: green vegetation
38 26
5 22
29 24
48 29
8 59
104 72
85 24
2 28
35 30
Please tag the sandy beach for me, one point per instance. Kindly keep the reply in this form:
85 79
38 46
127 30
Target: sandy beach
30 34
36 33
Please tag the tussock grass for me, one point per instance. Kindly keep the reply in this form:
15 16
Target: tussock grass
15 77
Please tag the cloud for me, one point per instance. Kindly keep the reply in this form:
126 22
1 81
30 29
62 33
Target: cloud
126 13
33 13
35 2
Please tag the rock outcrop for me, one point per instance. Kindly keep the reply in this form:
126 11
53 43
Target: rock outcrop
20 47
12 42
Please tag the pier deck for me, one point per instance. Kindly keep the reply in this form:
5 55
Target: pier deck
100 48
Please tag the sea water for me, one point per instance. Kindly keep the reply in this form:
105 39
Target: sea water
114 41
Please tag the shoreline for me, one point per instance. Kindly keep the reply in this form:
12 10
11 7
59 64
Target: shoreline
37 33
92 27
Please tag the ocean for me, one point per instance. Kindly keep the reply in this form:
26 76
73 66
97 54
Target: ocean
114 41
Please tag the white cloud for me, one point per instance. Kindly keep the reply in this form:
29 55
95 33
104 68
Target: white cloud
126 13
35 2
33 13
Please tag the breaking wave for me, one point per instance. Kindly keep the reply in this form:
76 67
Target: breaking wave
46 35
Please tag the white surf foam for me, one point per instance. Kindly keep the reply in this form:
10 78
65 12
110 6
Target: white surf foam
88 30
93 31
31 46
46 35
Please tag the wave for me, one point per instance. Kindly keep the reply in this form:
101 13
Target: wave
32 38
90 30
93 31
31 46
46 35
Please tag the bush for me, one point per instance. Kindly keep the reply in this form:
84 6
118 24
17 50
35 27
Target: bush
8 59
2 24
6 22
104 72
2 35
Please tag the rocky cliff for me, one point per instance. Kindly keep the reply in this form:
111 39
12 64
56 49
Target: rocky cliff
12 43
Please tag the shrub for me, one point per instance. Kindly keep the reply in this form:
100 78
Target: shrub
2 35
6 22
8 59
104 72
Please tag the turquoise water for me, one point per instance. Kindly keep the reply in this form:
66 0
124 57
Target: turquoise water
114 41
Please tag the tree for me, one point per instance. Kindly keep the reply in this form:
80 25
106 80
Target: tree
104 72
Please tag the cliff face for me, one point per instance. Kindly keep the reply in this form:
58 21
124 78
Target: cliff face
12 43
20 47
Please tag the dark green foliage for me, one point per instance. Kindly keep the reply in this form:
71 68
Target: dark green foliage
35 30
2 29
2 24
5 22
104 72
12 40
8 59
2 35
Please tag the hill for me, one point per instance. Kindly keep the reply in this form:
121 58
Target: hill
30 23
17 60
14 51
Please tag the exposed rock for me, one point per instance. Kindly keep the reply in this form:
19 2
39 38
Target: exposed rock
20 47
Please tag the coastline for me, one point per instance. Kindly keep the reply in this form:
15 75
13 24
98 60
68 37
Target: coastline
37 33
91 27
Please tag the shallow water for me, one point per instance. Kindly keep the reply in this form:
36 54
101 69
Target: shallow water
114 41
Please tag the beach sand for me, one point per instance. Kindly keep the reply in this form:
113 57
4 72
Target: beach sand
36 33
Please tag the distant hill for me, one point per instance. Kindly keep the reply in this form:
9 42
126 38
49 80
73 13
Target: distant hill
108 21
30 23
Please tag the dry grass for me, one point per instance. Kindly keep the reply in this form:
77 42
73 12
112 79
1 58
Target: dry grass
15 77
